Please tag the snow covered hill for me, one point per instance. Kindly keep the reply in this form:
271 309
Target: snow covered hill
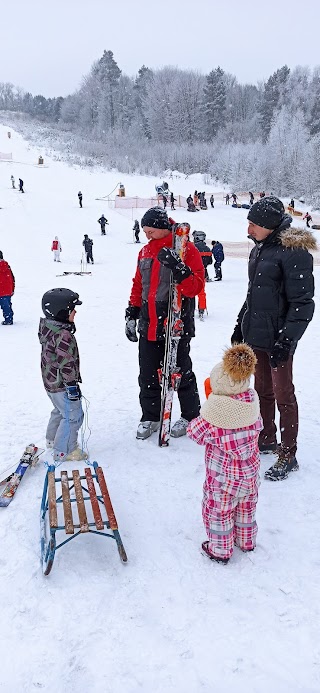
169 620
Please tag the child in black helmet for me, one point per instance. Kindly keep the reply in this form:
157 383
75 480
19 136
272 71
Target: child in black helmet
60 368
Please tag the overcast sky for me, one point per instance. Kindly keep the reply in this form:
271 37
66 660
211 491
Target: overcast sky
46 47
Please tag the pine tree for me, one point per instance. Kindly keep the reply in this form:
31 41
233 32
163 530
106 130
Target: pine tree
273 89
314 120
214 102
140 88
108 74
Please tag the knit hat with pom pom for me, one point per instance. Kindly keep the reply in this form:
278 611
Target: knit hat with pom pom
224 407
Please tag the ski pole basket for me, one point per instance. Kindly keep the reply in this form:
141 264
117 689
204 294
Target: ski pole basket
56 495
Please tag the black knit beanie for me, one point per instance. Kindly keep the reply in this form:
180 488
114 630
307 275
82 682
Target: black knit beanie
156 217
267 212
1 255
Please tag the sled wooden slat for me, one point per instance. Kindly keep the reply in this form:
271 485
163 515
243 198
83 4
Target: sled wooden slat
67 511
84 527
52 504
106 499
94 500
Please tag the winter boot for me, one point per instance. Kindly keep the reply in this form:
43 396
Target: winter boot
146 428
76 455
49 443
268 448
7 322
179 428
286 463
206 552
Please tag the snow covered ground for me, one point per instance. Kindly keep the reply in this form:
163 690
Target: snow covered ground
169 620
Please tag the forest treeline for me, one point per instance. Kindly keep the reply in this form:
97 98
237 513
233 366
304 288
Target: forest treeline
264 136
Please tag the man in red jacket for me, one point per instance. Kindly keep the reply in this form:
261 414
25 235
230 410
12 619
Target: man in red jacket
149 304
6 290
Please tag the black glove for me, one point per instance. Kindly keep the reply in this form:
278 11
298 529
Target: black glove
131 314
237 336
130 330
169 258
73 392
280 352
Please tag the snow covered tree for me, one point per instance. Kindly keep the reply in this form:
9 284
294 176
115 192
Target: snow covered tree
108 74
271 97
140 91
214 94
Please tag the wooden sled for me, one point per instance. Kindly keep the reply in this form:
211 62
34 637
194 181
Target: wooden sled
316 227
295 212
52 501
64 274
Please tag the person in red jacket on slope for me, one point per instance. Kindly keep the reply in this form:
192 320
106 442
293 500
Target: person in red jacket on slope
7 284
149 304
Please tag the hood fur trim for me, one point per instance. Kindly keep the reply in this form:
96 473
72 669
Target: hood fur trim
298 238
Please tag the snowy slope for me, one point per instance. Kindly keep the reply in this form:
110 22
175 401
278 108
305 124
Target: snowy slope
169 620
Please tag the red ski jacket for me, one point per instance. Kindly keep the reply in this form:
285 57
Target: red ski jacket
150 290
6 279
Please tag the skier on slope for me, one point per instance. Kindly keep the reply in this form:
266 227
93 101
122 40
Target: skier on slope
7 286
307 217
136 229
56 249
218 254
13 183
212 201
149 304
251 196
172 201
103 221
88 243
227 198
60 369
199 238
21 185
80 198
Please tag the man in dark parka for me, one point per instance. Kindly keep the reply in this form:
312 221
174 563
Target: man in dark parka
274 316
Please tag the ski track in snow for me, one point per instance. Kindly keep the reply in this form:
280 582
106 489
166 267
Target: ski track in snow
169 620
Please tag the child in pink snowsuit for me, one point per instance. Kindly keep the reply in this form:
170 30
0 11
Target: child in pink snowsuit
229 425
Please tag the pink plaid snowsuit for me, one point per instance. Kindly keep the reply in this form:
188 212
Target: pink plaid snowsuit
230 490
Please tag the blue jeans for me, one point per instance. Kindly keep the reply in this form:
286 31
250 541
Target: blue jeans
5 304
64 423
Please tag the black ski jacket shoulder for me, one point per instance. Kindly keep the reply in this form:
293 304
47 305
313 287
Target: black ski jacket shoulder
279 301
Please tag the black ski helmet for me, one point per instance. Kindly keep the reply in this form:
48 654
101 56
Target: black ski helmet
58 304
198 236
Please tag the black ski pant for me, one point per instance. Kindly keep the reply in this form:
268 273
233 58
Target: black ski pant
151 357
80 201
136 235
103 230
218 270
89 256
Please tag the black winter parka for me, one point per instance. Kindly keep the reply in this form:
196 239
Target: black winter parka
279 301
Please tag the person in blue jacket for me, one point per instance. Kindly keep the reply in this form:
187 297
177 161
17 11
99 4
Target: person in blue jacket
218 254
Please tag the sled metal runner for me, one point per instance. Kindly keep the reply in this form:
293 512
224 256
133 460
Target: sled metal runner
98 495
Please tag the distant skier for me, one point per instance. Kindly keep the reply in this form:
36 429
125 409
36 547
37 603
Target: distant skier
80 198
56 249
195 198
172 200
136 229
202 200
212 201
199 238
308 218
251 195
263 194
164 199
218 254
292 203
234 197
191 205
13 183
7 285
88 243
227 198
103 221
21 185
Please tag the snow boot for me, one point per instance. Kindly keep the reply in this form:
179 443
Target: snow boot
146 428
7 322
179 428
206 552
268 448
286 463
76 455
49 443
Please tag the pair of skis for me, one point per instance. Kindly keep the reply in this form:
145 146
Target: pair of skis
169 375
8 486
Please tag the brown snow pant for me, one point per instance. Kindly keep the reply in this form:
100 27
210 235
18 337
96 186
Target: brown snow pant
274 385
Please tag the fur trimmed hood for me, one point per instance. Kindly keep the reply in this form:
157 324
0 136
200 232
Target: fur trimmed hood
294 237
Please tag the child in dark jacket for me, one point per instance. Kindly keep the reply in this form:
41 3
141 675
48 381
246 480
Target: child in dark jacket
229 426
60 368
